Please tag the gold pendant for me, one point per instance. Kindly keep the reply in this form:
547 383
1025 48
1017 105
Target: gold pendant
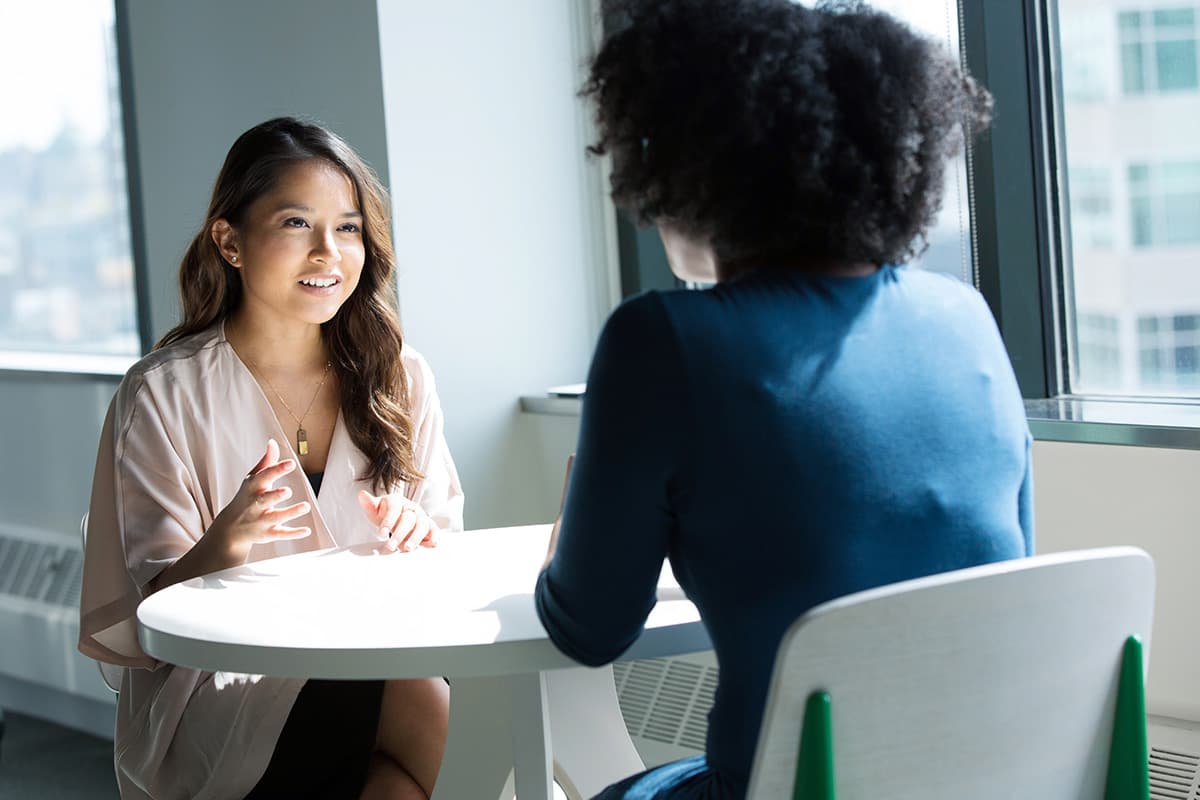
301 442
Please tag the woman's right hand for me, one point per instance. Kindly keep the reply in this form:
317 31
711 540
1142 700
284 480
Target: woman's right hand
252 516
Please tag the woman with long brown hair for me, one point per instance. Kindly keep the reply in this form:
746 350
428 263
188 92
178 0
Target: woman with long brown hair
283 414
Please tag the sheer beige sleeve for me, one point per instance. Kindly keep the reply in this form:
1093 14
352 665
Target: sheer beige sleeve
439 494
143 515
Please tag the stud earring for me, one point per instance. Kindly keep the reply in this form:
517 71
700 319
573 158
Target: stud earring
233 259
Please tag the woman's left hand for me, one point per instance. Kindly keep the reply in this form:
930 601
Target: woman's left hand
400 521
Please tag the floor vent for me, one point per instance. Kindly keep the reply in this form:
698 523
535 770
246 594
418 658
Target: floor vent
666 700
46 572
1174 775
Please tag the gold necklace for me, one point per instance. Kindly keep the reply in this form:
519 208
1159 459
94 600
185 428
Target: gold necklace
301 434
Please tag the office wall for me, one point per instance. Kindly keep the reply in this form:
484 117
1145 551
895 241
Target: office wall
1097 495
499 226
49 426
205 72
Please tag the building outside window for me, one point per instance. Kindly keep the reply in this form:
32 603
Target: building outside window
1169 352
1132 179
1164 203
1158 50
1100 348
65 254
1091 208
1089 72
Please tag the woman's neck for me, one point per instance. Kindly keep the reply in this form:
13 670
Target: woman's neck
839 269
277 348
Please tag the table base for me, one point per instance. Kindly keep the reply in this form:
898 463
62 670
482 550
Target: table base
562 724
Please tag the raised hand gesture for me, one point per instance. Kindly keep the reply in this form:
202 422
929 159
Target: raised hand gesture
252 516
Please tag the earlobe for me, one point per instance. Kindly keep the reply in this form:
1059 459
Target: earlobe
225 238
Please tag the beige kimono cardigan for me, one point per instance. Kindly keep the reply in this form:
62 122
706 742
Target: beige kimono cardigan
186 425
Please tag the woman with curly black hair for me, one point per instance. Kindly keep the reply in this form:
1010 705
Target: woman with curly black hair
821 421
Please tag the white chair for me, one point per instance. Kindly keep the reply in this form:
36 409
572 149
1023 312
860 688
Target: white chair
111 674
1010 680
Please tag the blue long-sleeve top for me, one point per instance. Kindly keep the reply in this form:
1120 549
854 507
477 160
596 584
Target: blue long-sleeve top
784 439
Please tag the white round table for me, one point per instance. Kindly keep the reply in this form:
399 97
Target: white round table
463 610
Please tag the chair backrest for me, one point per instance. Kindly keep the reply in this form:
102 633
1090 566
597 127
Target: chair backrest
998 681
111 674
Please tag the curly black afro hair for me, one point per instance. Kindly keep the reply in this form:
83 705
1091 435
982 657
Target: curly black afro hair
779 133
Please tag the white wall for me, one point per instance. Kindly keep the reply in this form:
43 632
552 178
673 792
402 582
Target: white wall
1096 495
499 225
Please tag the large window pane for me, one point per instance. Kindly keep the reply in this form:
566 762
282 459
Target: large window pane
64 222
1134 238
1092 207
1176 65
1158 48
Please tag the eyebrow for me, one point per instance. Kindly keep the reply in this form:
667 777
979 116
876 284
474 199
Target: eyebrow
310 210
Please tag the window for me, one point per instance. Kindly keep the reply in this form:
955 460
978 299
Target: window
1088 42
1131 206
1158 50
1091 208
65 246
1164 203
1099 349
1169 353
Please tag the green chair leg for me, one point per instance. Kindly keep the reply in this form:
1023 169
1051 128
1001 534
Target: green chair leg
814 766
1128 757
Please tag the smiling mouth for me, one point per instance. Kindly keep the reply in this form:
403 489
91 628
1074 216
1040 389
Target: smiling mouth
320 283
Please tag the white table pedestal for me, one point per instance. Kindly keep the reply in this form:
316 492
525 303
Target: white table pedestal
578 738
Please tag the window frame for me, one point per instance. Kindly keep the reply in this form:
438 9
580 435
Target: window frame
1020 225
1017 221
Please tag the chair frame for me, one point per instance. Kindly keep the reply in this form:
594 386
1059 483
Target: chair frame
111 674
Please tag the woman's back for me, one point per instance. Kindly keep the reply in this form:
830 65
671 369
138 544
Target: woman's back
784 439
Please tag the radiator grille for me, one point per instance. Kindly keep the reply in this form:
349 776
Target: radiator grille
47 572
1174 775
666 700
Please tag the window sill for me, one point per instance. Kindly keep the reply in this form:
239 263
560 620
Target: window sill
1172 424
552 405
63 365
1138 423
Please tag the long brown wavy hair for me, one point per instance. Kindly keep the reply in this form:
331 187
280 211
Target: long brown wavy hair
363 338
